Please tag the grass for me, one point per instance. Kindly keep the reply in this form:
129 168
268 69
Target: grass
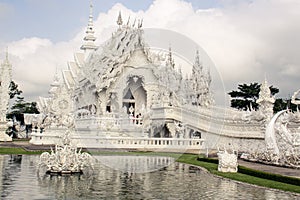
9 150
213 168
189 159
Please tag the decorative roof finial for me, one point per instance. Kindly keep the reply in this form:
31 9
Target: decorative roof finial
6 61
90 38
90 24
170 60
129 21
120 21
6 54
197 61
266 78
140 24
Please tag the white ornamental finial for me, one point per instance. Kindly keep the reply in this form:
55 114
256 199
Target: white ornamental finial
197 65
6 54
265 97
197 57
170 60
89 38
91 8
120 21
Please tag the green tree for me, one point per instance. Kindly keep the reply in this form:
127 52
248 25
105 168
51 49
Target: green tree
20 107
14 90
282 104
245 97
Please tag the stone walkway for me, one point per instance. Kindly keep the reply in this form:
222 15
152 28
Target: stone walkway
271 169
257 166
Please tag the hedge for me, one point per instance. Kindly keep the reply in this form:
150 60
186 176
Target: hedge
266 175
210 160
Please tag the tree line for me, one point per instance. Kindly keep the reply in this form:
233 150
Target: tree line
244 98
20 106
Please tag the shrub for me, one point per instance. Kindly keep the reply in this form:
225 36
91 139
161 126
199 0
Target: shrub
265 175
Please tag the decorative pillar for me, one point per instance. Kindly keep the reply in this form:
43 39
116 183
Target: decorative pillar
5 79
266 102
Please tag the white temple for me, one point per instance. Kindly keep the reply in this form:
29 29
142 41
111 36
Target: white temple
124 95
124 90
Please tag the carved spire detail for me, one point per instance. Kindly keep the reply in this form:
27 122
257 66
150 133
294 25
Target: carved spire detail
6 55
265 93
89 39
170 60
5 80
120 21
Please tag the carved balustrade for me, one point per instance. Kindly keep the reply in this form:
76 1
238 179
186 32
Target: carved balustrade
214 120
123 142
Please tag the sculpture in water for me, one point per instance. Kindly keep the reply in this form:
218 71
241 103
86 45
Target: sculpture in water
227 161
66 159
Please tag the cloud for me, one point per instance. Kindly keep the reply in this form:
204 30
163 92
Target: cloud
245 41
35 61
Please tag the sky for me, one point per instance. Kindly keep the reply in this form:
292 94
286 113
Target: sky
247 40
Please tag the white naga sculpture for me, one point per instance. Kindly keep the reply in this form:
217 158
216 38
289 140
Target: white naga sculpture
282 139
227 161
5 79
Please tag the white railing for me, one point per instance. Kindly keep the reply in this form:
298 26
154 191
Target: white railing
121 142
209 122
103 122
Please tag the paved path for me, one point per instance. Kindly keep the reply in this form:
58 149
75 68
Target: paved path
271 169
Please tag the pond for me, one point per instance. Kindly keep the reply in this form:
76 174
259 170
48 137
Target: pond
124 177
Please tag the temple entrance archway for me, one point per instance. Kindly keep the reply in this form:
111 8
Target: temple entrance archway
129 102
135 97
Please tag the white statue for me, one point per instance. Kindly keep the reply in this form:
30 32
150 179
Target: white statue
227 161
66 159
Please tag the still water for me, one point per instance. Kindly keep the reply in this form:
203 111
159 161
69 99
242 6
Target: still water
123 177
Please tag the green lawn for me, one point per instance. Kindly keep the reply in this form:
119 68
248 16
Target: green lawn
9 150
213 168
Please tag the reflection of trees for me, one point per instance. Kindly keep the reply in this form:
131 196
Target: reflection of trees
10 169
131 185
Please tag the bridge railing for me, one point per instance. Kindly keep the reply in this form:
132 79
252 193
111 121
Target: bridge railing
206 120
121 142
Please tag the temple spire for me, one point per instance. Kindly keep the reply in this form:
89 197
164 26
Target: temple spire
6 54
89 39
197 60
120 21
170 60
5 80
6 61
197 63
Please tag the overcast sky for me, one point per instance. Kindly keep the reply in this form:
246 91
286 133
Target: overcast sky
246 39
